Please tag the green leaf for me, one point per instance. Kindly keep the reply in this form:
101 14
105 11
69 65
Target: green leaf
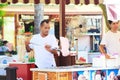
1 22
2 13
31 28
3 5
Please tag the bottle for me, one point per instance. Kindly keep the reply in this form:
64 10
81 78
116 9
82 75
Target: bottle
26 58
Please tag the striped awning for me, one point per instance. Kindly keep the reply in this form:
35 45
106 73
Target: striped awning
54 1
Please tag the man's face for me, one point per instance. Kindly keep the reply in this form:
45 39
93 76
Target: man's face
114 25
45 29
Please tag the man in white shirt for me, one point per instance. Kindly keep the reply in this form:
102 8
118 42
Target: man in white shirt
44 46
111 41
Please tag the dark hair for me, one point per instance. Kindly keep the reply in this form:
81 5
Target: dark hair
44 21
110 22
5 42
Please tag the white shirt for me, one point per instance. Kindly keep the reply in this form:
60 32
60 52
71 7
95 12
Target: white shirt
43 58
112 42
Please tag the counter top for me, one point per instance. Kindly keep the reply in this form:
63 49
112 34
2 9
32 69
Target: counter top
21 62
2 66
71 68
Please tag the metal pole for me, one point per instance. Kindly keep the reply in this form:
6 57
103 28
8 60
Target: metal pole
62 17
39 14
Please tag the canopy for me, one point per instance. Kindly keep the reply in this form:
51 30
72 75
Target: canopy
62 7
54 1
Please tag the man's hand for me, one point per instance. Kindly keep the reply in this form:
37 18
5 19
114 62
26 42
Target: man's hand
48 48
27 46
27 42
53 51
107 56
102 50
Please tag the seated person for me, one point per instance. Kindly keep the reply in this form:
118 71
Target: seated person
8 47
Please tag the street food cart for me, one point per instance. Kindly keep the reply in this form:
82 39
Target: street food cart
76 72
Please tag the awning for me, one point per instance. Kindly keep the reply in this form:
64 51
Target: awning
62 7
54 1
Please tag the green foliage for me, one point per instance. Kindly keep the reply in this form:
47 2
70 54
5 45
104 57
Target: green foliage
2 13
1 22
1 43
31 28
3 5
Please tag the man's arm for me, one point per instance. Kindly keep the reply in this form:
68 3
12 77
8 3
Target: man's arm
53 51
102 50
27 46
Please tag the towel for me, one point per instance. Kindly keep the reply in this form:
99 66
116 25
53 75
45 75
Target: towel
64 42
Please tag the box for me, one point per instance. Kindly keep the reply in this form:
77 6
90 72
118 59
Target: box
23 71
97 62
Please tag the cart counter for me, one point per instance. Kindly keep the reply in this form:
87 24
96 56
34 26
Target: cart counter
76 73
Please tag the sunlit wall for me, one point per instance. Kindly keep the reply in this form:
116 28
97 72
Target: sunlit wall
9 30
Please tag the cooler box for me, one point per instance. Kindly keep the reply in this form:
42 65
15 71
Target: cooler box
23 71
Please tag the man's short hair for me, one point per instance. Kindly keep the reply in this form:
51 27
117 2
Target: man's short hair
44 21
110 21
